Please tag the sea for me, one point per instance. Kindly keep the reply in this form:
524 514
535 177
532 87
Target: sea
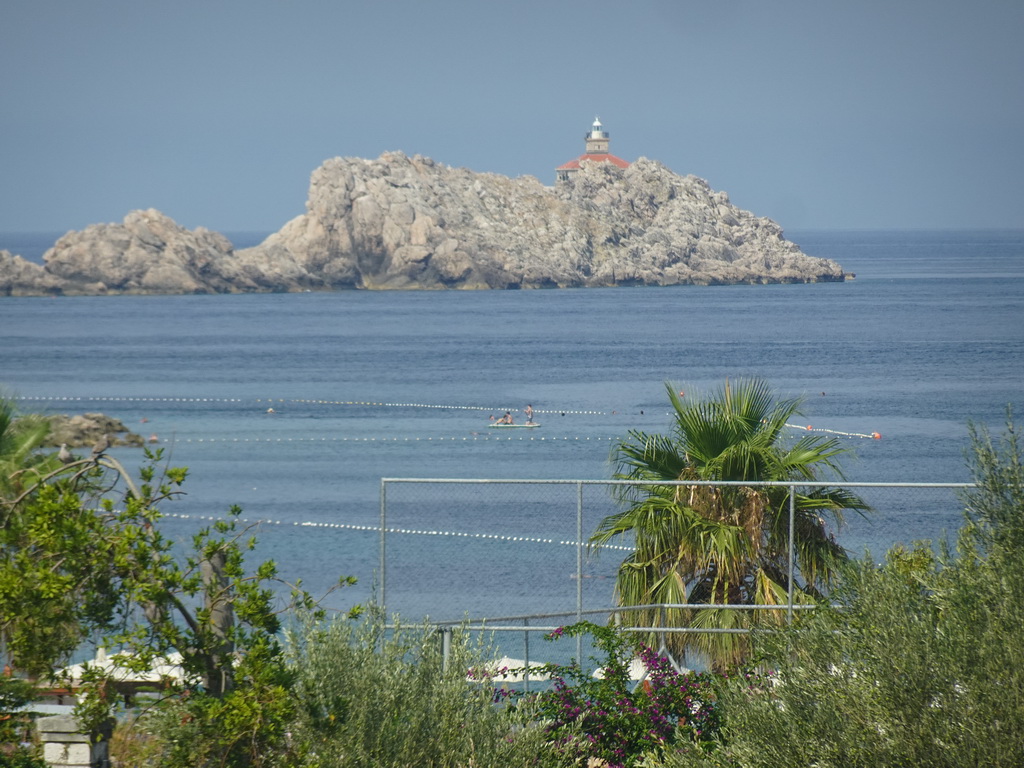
297 406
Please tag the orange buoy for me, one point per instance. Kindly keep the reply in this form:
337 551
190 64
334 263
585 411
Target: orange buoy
809 427
876 436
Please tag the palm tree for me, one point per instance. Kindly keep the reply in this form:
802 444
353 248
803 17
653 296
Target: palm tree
724 544
20 438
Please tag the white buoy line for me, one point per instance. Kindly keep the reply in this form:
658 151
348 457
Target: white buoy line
406 531
809 428
446 407
457 439
307 401
134 399
380 404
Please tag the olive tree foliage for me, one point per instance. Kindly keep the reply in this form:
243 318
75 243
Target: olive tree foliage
373 693
921 663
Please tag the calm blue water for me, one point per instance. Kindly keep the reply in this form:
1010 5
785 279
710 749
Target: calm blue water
369 385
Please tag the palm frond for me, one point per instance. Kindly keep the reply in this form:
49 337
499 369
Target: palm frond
21 435
723 649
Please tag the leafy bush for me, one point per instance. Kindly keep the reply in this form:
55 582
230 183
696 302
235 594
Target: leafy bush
245 726
12 756
604 719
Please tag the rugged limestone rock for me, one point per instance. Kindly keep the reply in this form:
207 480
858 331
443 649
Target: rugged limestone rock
408 222
148 253
84 430
399 222
19 277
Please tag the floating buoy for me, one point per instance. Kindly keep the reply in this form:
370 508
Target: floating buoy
809 427
876 436
153 438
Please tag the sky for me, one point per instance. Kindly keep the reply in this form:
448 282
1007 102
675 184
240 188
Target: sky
865 114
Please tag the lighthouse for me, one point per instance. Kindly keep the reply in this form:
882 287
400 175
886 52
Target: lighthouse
596 139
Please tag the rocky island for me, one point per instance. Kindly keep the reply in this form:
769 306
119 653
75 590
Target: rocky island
401 222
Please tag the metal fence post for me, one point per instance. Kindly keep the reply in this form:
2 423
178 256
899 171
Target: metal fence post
792 526
446 647
382 576
526 653
579 566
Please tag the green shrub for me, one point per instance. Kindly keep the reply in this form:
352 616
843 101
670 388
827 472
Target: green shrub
12 756
373 697
247 726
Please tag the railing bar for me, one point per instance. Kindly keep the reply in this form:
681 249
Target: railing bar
683 483
625 608
675 630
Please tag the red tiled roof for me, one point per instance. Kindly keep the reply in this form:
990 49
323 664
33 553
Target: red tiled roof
574 165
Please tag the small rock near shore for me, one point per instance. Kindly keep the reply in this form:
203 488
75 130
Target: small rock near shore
84 430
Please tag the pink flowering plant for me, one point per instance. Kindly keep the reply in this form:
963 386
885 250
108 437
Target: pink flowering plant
617 720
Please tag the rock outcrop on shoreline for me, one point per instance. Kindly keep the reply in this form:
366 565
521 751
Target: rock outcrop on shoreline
85 430
401 222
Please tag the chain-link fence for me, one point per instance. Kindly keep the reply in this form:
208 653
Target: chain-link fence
515 554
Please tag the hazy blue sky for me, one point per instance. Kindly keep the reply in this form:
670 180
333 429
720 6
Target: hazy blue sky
818 114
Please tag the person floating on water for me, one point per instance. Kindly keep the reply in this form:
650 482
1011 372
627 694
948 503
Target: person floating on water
529 414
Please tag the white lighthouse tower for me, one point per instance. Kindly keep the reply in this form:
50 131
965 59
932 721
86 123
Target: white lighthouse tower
597 152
